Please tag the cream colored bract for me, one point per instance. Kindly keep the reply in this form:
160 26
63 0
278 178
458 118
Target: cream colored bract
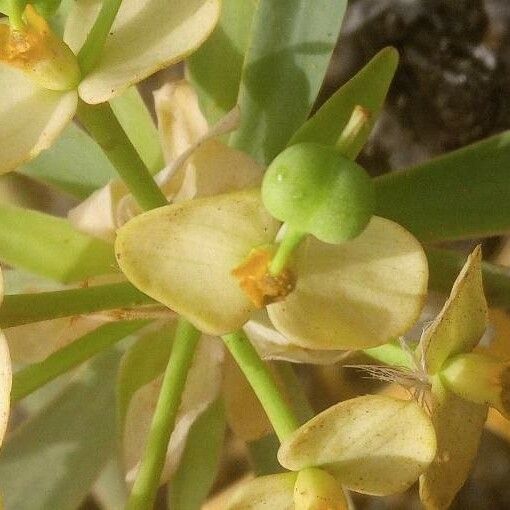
147 35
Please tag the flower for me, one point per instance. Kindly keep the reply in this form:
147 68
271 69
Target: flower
353 295
146 36
371 444
458 408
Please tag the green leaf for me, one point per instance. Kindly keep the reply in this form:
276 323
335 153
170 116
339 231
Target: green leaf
464 194
32 377
215 68
74 164
368 88
200 461
49 246
20 309
137 122
290 48
142 363
53 459
445 265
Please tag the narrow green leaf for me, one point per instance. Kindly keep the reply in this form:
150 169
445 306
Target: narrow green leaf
215 68
368 88
74 164
49 246
142 363
445 265
464 194
53 459
34 376
290 48
135 119
200 460
20 309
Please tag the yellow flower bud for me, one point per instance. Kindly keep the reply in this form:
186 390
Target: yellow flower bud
479 378
39 53
316 489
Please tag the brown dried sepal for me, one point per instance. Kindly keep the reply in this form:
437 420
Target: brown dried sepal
259 285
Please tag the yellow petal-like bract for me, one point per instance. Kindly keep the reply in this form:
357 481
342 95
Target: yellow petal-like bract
372 444
147 35
5 376
273 492
356 294
458 424
32 117
182 255
462 321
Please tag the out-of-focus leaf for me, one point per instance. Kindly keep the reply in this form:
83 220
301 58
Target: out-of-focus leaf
32 377
289 51
368 88
142 363
200 460
137 122
463 194
49 246
53 459
445 265
110 488
75 164
215 68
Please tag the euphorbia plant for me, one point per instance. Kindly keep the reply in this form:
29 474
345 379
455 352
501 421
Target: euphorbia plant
318 261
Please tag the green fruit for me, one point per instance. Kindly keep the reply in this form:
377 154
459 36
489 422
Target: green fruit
315 189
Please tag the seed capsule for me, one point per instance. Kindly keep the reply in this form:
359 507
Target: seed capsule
316 190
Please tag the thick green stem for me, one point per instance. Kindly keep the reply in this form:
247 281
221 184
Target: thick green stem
20 309
91 51
34 376
101 123
16 9
147 481
286 248
278 411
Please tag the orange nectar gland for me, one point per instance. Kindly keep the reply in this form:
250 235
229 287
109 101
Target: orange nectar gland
258 283
39 53
479 378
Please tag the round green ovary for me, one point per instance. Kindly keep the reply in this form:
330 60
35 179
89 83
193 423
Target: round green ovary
317 190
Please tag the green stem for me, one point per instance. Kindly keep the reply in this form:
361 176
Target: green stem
20 309
391 354
101 123
286 248
16 8
278 411
91 51
34 376
147 480
357 126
